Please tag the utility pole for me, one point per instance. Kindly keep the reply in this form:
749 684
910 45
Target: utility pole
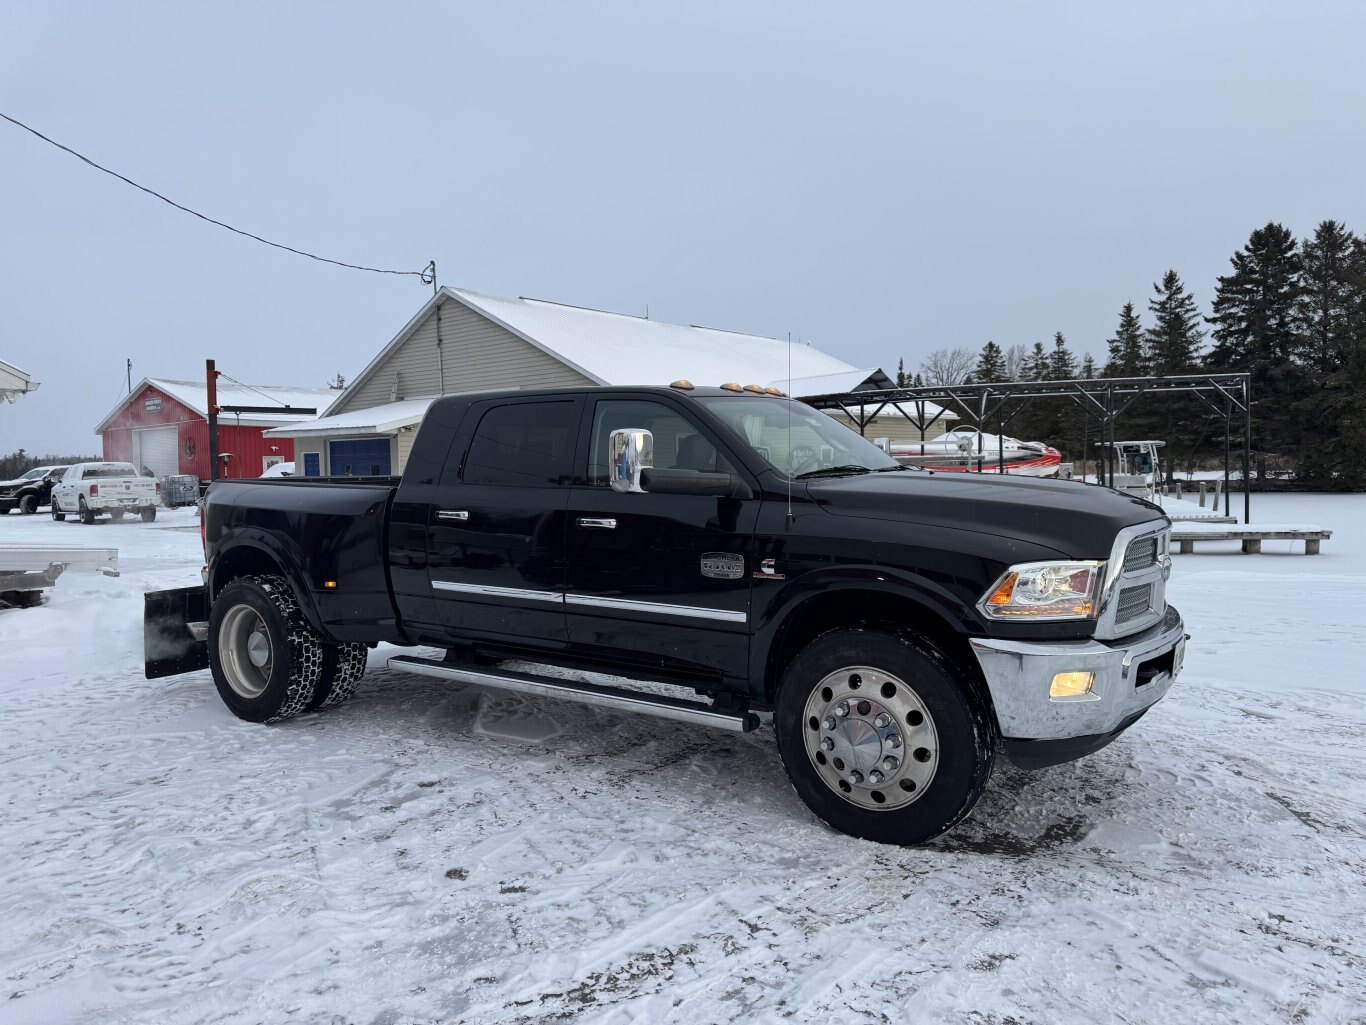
130 377
211 372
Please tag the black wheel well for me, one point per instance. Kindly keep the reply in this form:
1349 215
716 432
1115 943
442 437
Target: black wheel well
869 610
243 562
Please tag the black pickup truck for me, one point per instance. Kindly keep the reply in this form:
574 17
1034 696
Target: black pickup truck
901 626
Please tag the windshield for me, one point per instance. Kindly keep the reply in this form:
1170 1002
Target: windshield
109 470
34 474
795 439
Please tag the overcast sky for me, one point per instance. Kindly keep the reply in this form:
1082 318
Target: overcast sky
881 179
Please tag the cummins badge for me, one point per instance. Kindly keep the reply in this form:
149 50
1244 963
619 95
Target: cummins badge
723 566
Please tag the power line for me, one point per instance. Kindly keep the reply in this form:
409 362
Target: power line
427 274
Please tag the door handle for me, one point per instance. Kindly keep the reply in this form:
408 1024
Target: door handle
452 514
600 523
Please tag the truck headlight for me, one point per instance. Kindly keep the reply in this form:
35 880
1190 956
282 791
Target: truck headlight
1043 591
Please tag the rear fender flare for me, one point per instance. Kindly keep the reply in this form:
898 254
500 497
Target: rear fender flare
248 550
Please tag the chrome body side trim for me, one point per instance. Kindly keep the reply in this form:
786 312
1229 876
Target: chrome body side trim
657 608
603 523
452 514
1019 674
489 591
589 601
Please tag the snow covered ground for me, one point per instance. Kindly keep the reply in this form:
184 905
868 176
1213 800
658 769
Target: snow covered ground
429 853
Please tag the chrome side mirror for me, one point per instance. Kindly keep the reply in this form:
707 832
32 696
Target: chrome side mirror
630 450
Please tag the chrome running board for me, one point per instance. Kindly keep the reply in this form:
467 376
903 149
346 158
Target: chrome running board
585 693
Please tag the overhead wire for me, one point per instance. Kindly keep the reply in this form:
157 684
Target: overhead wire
427 276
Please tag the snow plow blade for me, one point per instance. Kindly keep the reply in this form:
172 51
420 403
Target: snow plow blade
173 627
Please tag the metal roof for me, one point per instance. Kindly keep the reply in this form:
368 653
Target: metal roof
195 396
385 419
621 349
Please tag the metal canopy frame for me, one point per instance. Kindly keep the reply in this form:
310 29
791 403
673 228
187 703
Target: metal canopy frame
1104 398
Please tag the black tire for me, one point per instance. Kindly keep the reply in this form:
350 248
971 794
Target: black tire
252 613
28 505
343 668
87 513
57 513
937 732
149 513
116 515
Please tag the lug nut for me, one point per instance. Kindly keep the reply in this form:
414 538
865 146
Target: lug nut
827 744
875 777
882 720
842 709
889 763
894 740
856 777
829 722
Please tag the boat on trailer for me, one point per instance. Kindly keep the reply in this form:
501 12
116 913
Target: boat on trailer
1136 467
969 451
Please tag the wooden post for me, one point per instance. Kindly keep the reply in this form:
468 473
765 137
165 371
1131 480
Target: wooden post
1311 546
1202 494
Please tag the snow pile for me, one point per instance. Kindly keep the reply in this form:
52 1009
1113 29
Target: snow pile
429 853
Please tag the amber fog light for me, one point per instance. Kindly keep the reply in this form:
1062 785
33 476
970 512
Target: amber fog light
1071 685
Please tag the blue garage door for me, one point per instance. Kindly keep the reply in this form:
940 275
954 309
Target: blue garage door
369 458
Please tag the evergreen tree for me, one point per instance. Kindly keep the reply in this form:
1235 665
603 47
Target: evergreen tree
1088 367
991 365
1062 365
1256 319
1032 419
1126 357
901 381
1327 297
337 383
1332 452
1172 345
1255 307
1036 364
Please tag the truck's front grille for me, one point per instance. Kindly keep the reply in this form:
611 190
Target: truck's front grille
1141 553
1133 603
1136 597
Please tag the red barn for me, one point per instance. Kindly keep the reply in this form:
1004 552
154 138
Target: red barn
164 426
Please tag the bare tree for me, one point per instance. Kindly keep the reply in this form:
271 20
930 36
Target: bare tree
1015 357
948 366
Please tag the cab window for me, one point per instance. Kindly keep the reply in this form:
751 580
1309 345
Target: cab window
678 443
526 444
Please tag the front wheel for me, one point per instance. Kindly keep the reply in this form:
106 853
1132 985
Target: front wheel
28 505
882 738
266 660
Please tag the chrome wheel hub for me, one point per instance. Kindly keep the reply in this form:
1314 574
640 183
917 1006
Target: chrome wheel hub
245 651
870 738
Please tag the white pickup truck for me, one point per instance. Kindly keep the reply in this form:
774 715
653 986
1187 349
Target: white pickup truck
89 489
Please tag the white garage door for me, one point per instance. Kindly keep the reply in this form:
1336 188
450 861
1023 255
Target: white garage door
157 449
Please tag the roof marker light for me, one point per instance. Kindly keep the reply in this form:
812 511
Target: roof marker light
731 386
757 389
683 384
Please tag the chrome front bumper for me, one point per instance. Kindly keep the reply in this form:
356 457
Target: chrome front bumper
1131 674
